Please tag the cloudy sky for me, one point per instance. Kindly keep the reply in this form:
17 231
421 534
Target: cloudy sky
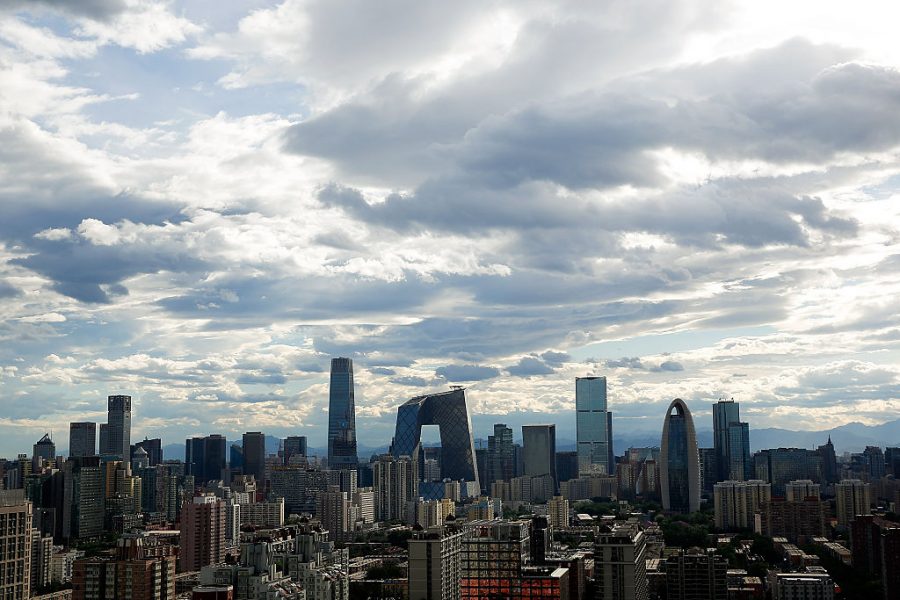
202 202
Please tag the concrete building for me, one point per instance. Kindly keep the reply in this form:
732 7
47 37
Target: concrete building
434 564
15 545
696 574
852 497
394 485
620 563
737 502
202 532
140 570
808 586
539 448
801 489
795 521
263 514
558 512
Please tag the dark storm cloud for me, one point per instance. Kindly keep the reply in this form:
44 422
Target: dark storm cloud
529 366
466 372
93 9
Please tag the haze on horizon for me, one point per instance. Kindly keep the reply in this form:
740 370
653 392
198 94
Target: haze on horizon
202 202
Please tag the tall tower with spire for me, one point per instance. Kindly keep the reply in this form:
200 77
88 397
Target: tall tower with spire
829 462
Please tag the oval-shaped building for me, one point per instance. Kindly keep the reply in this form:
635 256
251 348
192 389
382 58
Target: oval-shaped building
679 468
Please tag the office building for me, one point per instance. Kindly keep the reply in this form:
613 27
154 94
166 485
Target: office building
494 558
737 502
828 460
118 433
82 439
874 461
254 455
294 445
43 451
202 532
448 411
620 571
731 440
141 569
779 466
500 455
153 447
567 465
593 440
679 461
852 497
434 564
41 560
204 458
539 449
15 545
695 574
342 416
83 499
709 470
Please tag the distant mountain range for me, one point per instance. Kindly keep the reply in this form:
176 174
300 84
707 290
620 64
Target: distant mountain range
853 437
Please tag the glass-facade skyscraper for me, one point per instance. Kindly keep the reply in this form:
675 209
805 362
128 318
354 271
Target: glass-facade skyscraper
539 445
592 431
448 411
679 461
119 426
341 416
731 439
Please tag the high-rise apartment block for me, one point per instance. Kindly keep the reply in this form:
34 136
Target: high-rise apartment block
737 502
140 570
696 574
620 571
394 487
342 416
202 532
852 497
592 419
15 545
435 564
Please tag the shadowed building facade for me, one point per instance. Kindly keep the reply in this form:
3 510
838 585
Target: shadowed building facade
341 416
448 411
679 461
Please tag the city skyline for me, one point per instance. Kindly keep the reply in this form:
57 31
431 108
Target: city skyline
200 203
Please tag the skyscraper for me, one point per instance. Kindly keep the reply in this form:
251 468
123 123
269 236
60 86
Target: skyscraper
82 439
294 445
153 447
202 532
679 460
852 497
592 426
45 449
731 439
119 426
620 563
539 443
448 411
342 416
255 455
500 459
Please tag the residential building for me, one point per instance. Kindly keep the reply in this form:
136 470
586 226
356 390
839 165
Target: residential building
15 545
620 563
695 574
140 570
435 564
795 520
202 532
852 497
736 502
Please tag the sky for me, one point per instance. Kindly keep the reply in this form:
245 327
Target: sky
201 203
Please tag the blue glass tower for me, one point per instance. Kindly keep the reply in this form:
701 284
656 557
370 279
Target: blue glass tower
341 416
679 461
448 411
